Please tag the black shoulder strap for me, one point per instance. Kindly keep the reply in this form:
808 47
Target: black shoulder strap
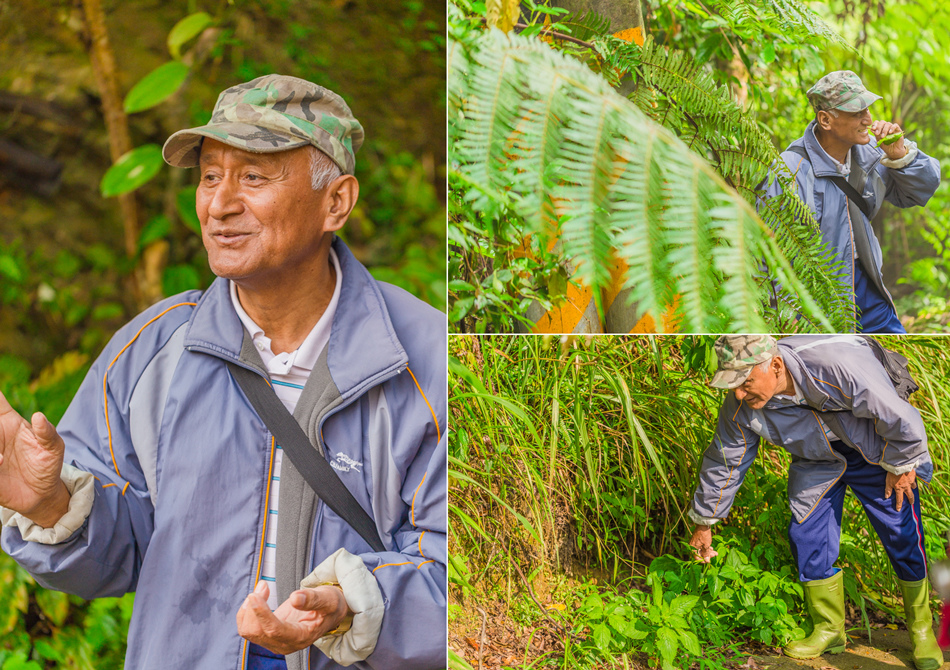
841 183
315 469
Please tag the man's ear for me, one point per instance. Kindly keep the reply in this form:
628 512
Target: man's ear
341 194
777 365
824 119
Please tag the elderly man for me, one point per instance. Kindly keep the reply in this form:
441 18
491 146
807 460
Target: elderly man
843 177
174 488
829 402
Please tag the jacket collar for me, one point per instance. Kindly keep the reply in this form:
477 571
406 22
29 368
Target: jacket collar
814 396
865 156
363 349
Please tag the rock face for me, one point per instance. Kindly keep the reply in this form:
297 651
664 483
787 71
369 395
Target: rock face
624 15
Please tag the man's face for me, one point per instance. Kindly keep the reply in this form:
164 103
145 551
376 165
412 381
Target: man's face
261 221
761 385
849 127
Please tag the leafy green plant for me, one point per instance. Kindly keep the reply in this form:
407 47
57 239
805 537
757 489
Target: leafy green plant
546 148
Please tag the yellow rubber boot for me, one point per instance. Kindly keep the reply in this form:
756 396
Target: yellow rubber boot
824 600
927 654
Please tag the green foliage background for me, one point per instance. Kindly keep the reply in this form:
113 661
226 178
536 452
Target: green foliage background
763 53
64 274
575 458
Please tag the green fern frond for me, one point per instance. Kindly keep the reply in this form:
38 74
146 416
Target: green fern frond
790 16
534 128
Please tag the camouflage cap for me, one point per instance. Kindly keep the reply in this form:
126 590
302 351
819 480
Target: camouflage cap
274 113
840 90
737 355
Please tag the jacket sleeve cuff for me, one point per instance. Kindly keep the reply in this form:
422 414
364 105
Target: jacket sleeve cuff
82 491
902 162
702 520
902 469
363 598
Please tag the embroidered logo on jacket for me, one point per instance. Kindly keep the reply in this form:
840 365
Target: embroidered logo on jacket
344 463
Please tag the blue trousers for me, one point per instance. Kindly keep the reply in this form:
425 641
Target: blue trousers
815 542
259 658
876 313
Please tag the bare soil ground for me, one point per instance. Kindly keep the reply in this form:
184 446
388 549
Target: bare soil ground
888 649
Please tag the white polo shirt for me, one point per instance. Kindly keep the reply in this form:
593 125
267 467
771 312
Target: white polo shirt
289 372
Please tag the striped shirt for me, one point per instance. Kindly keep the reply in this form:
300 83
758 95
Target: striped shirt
289 372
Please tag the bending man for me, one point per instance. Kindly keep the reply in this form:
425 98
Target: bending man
831 404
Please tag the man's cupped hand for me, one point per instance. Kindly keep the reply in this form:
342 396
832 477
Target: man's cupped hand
298 622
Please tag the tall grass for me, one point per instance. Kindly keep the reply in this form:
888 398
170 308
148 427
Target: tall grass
578 455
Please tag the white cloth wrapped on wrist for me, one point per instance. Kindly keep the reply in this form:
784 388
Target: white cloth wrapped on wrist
82 491
364 599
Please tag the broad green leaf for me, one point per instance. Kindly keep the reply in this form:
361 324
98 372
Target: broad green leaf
54 604
179 278
157 86
132 170
503 14
691 642
9 268
667 642
184 30
156 228
185 202
682 605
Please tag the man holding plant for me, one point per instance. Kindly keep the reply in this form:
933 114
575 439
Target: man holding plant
844 177
831 403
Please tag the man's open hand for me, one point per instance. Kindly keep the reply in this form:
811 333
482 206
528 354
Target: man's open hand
298 622
882 129
31 460
903 485
701 542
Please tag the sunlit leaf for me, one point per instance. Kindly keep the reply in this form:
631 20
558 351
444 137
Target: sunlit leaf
132 170
503 14
157 86
187 28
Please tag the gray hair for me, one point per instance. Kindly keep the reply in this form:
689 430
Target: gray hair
764 365
322 170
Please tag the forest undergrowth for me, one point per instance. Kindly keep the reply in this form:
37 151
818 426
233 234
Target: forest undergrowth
572 465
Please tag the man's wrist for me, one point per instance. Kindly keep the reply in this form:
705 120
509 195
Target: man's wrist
53 508
343 615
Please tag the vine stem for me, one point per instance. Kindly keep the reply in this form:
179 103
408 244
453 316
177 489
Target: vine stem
554 34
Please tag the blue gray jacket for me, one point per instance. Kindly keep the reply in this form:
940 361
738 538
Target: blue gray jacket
908 186
837 374
182 464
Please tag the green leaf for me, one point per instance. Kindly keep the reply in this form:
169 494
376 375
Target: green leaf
9 268
768 53
691 642
184 30
179 278
156 228
186 203
667 642
54 604
132 170
155 87
46 651
682 605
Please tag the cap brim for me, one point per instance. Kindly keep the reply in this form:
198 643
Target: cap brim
730 379
859 102
182 149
